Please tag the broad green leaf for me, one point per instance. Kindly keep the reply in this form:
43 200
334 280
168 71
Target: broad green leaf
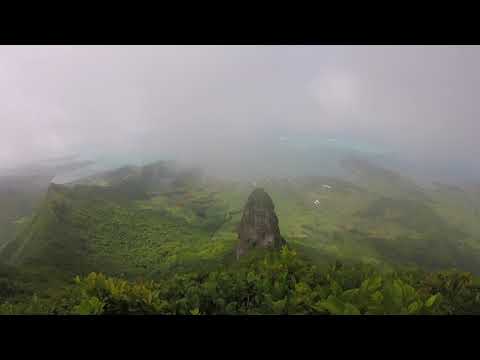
333 305
91 306
431 300
374 283
397 291
408 292
414 307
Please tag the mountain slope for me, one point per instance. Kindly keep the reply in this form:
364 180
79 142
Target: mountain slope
149 221
123 228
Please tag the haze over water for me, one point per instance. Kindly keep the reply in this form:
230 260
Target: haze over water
244 110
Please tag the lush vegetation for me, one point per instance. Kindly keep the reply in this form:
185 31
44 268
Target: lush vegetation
271 283
141 242
86 228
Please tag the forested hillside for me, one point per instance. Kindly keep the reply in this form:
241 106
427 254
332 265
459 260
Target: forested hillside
157 239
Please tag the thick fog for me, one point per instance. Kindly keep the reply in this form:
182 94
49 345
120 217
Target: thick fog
234 108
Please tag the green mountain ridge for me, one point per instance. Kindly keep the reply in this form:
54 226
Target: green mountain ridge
154 221
135 207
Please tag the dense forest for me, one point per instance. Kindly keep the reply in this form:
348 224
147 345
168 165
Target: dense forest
153 240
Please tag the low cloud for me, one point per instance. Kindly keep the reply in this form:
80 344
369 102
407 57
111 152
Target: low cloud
211 104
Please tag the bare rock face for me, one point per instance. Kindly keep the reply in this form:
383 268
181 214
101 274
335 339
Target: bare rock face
259 224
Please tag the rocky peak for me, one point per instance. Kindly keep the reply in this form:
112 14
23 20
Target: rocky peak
259 224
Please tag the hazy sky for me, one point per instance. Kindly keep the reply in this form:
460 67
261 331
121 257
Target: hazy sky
213 102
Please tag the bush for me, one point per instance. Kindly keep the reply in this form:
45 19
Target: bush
277 283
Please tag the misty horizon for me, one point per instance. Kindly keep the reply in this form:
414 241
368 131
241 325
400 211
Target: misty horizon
234 109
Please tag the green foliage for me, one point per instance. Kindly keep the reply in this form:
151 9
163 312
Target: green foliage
273 283
128 225
35 306
184 239
457 292
103 295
